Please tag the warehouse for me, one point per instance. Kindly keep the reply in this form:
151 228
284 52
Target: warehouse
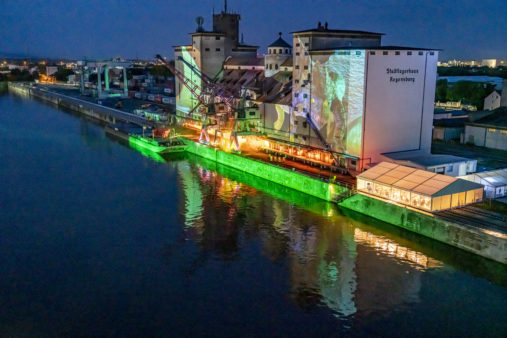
416 188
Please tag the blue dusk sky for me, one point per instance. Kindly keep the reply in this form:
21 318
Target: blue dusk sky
464 29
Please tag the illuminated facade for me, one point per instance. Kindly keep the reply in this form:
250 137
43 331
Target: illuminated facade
358 92
207 53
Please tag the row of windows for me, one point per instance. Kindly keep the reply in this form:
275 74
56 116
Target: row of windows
494 130
398 53
270 66
297 54
306 44
207 49
280 51
305 67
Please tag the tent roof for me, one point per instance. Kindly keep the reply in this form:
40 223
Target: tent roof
494 178
416 180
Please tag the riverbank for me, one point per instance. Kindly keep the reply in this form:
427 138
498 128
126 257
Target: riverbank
90 109
482 242
485 243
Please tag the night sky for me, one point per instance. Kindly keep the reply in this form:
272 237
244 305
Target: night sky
465 29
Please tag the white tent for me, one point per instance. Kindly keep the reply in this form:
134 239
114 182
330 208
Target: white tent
494 182
418 188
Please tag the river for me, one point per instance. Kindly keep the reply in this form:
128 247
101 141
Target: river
98 239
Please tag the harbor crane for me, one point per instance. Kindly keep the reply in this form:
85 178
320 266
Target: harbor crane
205 96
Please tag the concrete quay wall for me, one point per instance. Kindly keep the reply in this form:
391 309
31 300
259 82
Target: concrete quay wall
470 239
103 113
294 180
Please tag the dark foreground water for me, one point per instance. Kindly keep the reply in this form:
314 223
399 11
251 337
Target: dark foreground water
97 239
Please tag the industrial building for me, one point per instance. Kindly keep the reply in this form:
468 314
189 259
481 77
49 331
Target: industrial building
333 95
418 189
489 131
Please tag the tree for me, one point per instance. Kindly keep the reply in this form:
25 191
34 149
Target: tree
474 92
441 90
63 74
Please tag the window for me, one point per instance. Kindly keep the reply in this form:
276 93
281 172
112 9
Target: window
305 96
296 122
217 38
217 49
306 53
206 49
503 131
421 53
397 53
492 130
252 113
304 138
432 53
409 53
385 52
295 96
269 51
297 44
306 44
297 66
449 168
358 52
286 51
280 51
305 124
270 66
305 67
372 53
276 66
296 81
297 54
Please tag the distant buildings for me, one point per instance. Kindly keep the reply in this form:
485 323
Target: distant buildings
491 63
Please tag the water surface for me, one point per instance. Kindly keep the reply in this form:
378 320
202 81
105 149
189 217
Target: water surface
97 239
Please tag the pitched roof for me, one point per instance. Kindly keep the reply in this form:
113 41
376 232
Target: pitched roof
280 43
244 61
416 180
287 63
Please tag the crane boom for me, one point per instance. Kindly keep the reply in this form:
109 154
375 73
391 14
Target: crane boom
321 138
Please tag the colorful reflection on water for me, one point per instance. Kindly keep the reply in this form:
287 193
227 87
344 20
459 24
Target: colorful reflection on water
97 239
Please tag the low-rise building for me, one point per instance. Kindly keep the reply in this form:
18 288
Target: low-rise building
449 165
489 131
448 129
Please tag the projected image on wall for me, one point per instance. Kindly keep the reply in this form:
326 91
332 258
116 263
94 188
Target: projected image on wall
337 99
184 98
